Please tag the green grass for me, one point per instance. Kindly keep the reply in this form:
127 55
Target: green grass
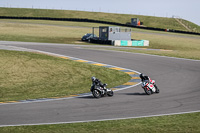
178 46
193 27
54 23
26 75
71 33
40 33
185 123
149 21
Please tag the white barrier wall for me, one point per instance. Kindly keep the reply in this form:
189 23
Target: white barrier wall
131 43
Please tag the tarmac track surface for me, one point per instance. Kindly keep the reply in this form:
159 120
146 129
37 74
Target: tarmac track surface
177 79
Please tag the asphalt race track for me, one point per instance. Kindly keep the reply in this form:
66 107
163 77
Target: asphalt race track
177 79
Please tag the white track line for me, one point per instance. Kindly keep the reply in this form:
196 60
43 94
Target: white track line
55 123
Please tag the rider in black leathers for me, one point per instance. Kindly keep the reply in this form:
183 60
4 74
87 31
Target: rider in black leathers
145 78
96 81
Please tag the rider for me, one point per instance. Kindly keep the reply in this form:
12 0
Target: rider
145 78
97 82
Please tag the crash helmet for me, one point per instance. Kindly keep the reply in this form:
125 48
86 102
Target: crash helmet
93 78
141 75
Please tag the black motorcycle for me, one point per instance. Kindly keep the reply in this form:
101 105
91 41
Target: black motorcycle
100 91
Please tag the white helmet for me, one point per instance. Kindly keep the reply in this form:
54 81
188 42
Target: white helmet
93 78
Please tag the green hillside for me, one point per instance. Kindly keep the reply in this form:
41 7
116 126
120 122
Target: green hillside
149 21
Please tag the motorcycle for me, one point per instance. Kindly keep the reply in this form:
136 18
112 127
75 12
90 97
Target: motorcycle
150 87
98 91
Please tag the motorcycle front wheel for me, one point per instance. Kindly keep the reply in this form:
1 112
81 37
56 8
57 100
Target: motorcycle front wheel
157 90
110 93
147 91
96 93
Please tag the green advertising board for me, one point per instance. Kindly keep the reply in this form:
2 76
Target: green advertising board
138 43
124 43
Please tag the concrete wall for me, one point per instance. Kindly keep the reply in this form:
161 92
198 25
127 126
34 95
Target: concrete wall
131 43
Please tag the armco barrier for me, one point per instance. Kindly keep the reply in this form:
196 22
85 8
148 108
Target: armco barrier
98 21
131 43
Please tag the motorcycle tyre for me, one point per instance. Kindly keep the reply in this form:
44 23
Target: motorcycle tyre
110 93
96 93
148 92
157 90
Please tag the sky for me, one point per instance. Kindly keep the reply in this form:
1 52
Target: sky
185 9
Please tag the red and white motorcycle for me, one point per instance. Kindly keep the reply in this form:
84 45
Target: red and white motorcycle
150 87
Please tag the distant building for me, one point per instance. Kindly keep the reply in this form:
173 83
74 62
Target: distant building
116 36
114 33
135 21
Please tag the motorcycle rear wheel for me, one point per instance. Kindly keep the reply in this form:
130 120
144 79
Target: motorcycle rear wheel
110 93
96 93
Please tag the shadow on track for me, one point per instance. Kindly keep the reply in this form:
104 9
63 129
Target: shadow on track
87 97
91 97
136 94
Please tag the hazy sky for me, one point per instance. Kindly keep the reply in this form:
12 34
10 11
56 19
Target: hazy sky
186 9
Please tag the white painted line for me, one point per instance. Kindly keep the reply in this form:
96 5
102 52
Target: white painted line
55 123
147 54
127 87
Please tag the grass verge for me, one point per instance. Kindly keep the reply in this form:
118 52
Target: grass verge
40 33
149 21
184 123
25 75
60 32
172 46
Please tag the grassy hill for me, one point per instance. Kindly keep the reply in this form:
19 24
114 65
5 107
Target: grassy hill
149 21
